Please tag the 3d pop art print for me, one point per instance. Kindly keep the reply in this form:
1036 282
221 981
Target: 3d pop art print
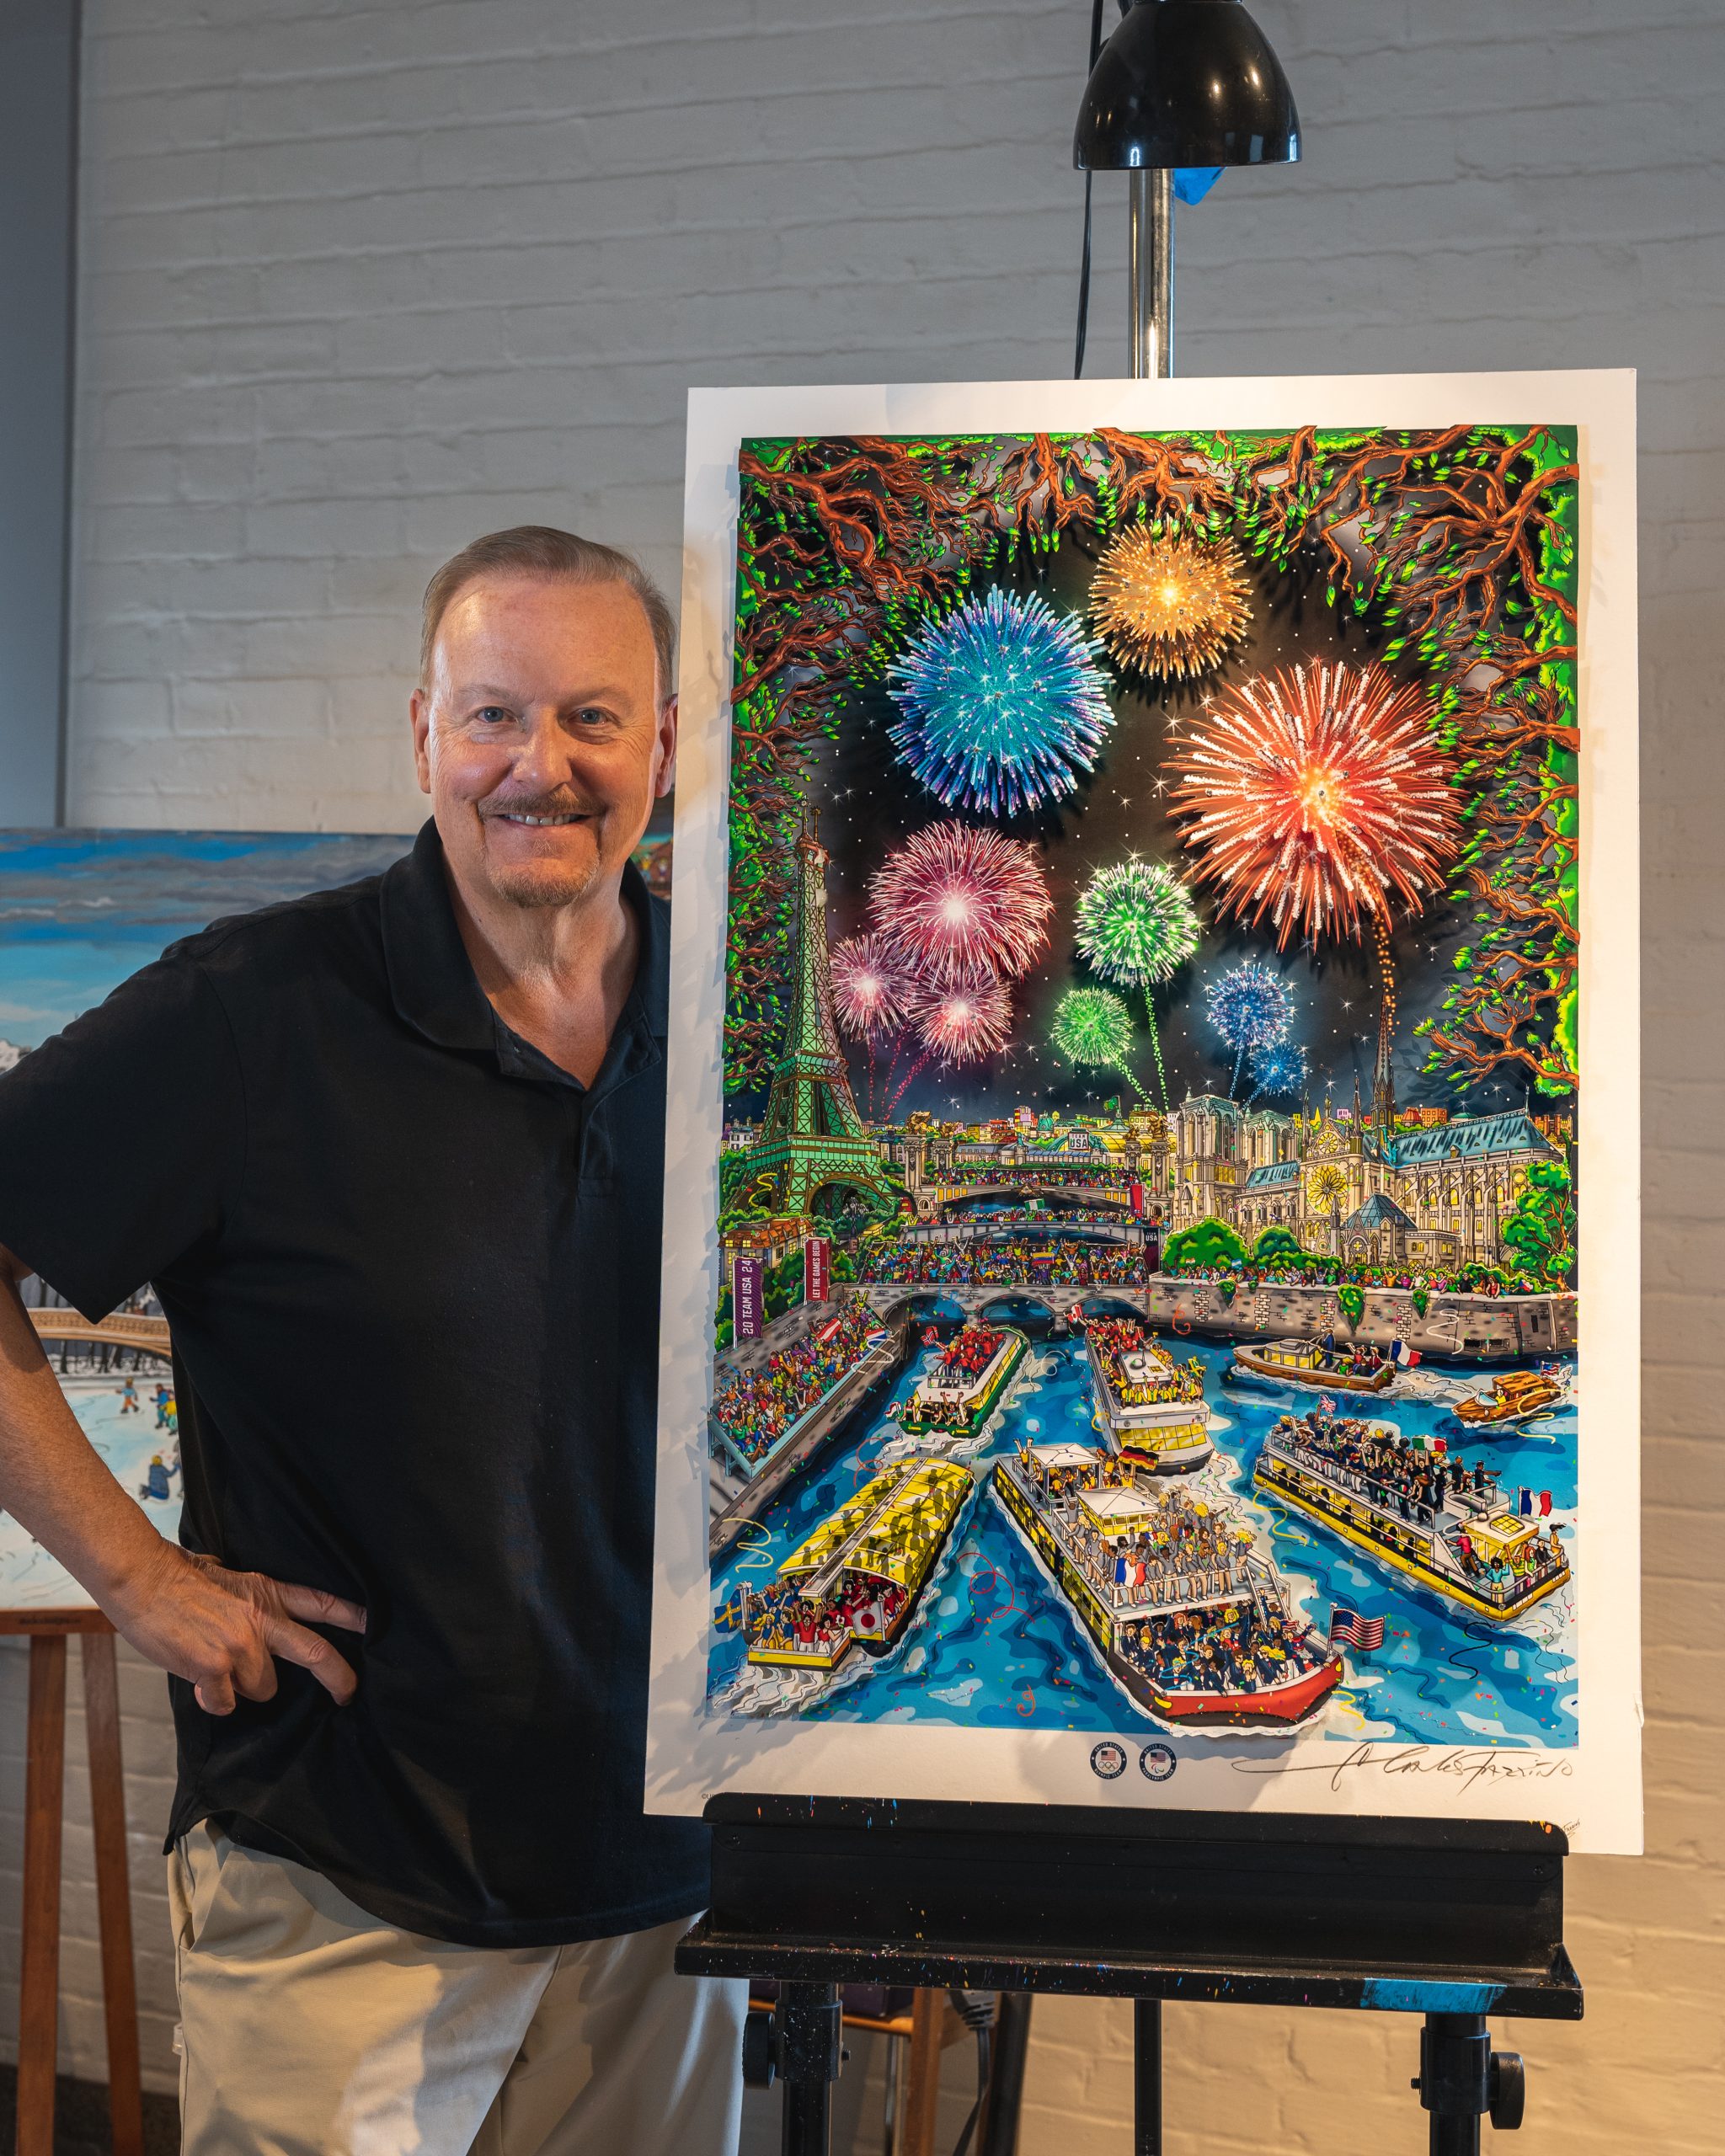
1150 1260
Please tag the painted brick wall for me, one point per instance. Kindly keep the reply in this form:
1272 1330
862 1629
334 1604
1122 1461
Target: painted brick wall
360 279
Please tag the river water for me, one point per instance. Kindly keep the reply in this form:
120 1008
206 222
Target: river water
991 1645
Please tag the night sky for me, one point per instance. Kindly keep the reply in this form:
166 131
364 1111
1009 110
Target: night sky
869 803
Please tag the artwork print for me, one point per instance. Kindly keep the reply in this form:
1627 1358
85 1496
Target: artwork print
1145 1309
79 912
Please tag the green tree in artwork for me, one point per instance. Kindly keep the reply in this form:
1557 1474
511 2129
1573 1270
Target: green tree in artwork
1539 1234
1352 1302
1205 1244
1274 1244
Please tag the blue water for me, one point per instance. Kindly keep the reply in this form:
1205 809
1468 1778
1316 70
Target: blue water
992 1645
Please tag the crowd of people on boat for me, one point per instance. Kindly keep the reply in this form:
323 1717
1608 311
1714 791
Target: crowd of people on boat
1016 1260
755 1407
783 1620
1245 1646
1391 1471
1113 1338
1183 1551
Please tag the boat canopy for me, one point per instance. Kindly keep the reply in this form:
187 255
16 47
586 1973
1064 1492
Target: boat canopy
889 1528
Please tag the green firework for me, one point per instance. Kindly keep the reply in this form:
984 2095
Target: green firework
1093 1026
1135 923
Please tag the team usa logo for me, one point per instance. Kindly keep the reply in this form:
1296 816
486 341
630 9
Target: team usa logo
1109 1760
1157 1762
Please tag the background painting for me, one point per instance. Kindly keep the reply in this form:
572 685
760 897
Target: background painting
1150 1186
79 911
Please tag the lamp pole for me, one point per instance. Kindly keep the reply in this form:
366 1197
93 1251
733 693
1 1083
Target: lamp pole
1150 318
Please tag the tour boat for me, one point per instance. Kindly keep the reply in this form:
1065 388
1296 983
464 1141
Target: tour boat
1515 1396
856 1580
1051 1492
959 1394
1151 1407
1430 1544
1305 1362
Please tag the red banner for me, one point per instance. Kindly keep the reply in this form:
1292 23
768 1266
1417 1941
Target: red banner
746 1314
814 1268
1135 1192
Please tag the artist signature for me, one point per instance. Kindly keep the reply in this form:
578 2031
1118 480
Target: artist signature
1465 1769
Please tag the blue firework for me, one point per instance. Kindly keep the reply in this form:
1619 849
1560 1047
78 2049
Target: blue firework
1278 1068
1251 1008
1002 708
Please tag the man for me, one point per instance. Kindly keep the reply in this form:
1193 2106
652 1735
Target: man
390 1157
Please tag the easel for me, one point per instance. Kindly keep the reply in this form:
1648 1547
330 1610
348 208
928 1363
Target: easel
1449 1921
45 1783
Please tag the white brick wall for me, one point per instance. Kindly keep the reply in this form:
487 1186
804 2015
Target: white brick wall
360 279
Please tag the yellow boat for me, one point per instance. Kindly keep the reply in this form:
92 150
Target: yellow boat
1513 1396
856 1580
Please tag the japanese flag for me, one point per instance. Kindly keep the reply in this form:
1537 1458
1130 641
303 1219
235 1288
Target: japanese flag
869 1619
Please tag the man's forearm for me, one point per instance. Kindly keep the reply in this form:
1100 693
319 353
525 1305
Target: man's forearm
52 1480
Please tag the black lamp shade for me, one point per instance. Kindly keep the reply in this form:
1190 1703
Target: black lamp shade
1185 83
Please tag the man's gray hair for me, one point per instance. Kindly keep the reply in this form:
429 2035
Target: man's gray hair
542 550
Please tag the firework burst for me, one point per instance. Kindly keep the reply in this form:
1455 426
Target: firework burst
965 1021
957 903
1252 1009
1278 1070
1135 924
1002 706
1313 796
1093 1026
870 993
1170 606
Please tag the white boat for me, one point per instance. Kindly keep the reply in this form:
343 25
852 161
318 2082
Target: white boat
1150 1405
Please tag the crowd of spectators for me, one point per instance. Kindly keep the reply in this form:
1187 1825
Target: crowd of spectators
1013 1261
1244 1646
755 1407
783 1620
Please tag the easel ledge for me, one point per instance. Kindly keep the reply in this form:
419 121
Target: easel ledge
44 1790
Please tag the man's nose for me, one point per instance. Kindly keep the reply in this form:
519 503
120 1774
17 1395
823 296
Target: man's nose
545 752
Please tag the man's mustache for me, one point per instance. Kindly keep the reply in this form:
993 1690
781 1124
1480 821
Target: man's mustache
535 804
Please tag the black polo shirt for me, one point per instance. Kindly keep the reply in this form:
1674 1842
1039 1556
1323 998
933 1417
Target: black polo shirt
412 1272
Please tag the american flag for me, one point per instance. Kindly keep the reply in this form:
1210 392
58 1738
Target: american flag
1364 1633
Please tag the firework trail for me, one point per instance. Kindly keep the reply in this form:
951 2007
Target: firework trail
1003 708
957 902
1252 1009
1135 924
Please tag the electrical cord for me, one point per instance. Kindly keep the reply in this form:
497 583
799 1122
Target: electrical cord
1084 260
976 2010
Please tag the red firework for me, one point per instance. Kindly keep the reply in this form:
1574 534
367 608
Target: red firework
965 1021
870 991
1312 795
958 903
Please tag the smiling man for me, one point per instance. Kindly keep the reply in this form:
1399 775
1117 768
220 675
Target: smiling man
391 1158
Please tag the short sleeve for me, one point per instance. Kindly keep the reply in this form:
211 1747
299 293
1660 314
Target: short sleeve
122 1140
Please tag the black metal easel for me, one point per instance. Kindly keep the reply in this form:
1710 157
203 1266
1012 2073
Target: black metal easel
1451 1921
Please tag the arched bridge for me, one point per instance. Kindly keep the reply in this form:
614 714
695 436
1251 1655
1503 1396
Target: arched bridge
120 1329
890 1299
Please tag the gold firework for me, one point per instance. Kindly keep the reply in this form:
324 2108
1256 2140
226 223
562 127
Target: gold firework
1170 606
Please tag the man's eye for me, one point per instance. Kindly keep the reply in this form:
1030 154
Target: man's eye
593 715
494 715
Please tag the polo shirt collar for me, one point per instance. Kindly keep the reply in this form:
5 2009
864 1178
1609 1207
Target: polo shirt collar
431 979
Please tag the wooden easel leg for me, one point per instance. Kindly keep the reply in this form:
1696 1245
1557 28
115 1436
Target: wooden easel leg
922 2101
38 1986
119 2001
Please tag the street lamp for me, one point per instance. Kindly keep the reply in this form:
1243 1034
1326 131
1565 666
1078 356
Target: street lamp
1180 84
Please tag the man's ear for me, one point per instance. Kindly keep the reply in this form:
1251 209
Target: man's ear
668 749
419 716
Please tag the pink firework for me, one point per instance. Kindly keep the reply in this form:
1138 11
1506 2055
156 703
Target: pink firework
958 903
870 991
963 1021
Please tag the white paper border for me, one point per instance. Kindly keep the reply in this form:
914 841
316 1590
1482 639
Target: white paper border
1593 1790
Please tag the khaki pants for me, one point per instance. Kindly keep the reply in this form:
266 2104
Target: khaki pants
312 2029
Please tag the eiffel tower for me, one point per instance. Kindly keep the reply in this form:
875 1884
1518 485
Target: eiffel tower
812 1136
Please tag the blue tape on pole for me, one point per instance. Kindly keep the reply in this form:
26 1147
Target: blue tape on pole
1191 182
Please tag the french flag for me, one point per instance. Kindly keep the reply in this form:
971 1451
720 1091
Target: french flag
1346 1624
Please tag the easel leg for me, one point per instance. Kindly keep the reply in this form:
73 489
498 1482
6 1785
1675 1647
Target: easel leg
119 2001
808 2043
38 1986
999 2134
922 2103
1147 2077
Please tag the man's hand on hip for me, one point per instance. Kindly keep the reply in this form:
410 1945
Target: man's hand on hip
223 1629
